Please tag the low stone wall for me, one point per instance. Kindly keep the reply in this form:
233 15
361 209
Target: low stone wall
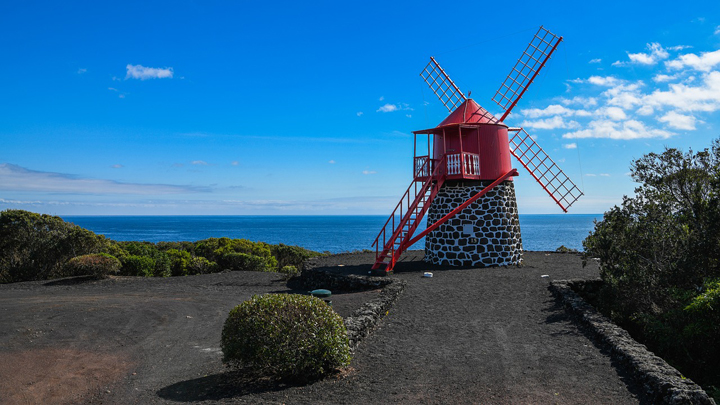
486 233
366 318
663 383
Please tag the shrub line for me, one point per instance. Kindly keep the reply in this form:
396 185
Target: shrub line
662 382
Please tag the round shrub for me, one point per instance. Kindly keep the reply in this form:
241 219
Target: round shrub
97 265
287 335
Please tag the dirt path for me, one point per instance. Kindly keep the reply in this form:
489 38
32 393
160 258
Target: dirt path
464 336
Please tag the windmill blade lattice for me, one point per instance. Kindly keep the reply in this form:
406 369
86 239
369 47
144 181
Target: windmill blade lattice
525 70
441 84
543 169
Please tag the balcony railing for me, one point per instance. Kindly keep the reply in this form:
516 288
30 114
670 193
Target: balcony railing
466 167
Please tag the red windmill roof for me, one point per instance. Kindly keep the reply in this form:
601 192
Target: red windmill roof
469 112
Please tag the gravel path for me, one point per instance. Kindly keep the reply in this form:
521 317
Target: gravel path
492 335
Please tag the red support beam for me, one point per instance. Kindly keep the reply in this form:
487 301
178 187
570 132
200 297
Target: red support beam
511 173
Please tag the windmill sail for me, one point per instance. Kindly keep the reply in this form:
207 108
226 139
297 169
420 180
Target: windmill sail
543 169
441 84
525 70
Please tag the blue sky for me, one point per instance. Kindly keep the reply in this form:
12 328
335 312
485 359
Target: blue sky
243 108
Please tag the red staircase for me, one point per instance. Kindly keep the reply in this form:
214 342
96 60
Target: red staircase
408 213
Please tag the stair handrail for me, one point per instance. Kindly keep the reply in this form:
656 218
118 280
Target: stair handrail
437 173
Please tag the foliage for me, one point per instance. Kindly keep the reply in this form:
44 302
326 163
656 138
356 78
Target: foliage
290 271
134 265
36 247
201 265
287 255
565 249
237 254
287 335
98 265
659 258
244 262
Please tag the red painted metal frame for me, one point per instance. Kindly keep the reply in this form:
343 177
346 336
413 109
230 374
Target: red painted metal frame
431 73
535 160
390 250
519 72
464 205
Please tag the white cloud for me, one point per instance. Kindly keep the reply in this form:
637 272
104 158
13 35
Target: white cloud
604 175
120 93
717 30
645 110
551 123
359 113
661 78
678 121
16 178
570 145
625 96
81 71
703 97
394 107
679 47
614 113
117 166
631 129
590 175
604 81
199 163
553 109
234 163
583 101
381 98
143 73
387 108
332 162
656 54
704 63
595 60
366 172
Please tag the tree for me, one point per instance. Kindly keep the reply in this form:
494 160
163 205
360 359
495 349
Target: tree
659 257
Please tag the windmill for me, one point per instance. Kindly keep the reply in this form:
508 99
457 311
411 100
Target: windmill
464 181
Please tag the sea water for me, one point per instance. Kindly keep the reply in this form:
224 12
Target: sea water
320 233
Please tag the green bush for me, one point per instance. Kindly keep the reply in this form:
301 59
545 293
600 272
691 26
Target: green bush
291 255
133 265
290 271
245 262
201 265
179 262
660 259
35 247
97 265
286 335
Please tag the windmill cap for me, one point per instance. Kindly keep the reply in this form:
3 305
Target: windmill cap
469 112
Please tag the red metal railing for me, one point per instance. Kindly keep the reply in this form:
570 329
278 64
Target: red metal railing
406 216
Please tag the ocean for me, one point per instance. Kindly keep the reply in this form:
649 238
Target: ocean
333 234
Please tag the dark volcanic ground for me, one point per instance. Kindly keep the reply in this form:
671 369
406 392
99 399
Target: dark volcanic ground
491 335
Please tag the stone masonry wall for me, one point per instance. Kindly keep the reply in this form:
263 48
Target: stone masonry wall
486 233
